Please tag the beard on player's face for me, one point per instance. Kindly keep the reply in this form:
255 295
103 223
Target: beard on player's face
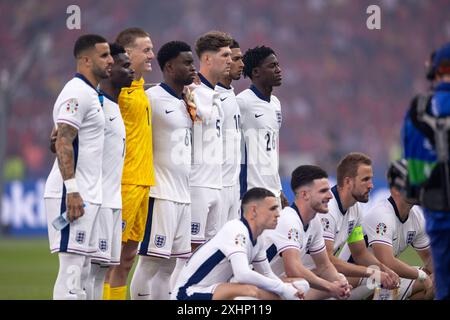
360 196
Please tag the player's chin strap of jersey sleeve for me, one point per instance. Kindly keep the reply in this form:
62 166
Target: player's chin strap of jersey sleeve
356 235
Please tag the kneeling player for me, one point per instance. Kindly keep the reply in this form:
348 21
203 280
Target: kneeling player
207 273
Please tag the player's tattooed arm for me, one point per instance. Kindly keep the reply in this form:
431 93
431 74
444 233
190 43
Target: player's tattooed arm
65 136
64 150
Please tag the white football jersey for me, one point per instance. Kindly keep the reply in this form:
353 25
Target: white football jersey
78 105
261 123
210 264
172 137
382 224
338 225
113 154
291 233
231 133
207 146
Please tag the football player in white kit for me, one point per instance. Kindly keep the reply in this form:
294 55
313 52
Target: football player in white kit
299 232
214 53
75 181
394 224
207 274
342 224
231 133
110 214
261 121
167 233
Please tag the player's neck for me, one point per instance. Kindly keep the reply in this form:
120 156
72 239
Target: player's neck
89 76
402 206
176 87
138 75
209 76
266 91
346 197
107 87
226 81
305 211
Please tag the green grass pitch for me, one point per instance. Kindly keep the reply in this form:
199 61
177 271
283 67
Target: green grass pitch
28 270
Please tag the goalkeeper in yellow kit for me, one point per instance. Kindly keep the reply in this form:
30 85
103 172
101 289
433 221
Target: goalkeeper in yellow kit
138 174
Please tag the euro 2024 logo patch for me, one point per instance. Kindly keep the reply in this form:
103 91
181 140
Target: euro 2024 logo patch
325 224
240 240
294 234
71 106
381 228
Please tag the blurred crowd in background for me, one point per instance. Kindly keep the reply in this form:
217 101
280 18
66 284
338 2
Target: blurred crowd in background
345 88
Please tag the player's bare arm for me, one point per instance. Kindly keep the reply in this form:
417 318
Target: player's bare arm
64 152
425 256
295 269
385 254
348 269
362 256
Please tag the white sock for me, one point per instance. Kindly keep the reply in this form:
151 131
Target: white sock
99 282
161 283
142 277
176 272
85 273
90 280
68 283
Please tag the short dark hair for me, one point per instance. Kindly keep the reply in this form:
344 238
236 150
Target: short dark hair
305 175
254 57
234 44
348 166
127 37
116 49
212 41
397 174
256 194
171 50
86 41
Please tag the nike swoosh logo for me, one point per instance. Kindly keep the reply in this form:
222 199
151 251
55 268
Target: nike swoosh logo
223 99
130 91
143 295
169 111
259 115
111 119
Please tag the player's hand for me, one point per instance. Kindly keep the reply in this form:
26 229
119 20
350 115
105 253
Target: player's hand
388 281
53 139
75 208
339 290
291 292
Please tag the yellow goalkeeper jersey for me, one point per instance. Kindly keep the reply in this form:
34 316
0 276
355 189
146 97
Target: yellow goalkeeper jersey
137 117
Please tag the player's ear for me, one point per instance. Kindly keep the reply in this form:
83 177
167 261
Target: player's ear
255 72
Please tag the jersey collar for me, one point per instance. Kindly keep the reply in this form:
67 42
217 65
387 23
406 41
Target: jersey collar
397 213
258 93
338 199
294 206
169 90
205 81
103 93
245 222
83 78
223 86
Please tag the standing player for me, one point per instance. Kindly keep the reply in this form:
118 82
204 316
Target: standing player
138 174
342 225
299 232
228 254
231 130
76 177
261 121
394 224
110 214
167 233
213 50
